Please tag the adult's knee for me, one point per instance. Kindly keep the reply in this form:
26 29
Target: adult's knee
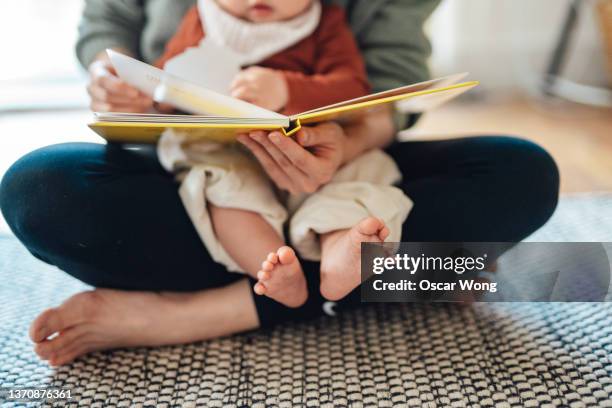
32 189
21 192
529 174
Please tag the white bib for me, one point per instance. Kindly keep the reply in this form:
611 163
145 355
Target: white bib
254 42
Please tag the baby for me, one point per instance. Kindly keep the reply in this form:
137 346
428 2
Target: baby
299 55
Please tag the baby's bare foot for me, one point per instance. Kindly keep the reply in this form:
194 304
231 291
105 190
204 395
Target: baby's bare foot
341 256
281 278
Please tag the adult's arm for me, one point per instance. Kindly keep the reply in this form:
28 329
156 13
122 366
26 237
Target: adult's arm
394 45
109 24
118 25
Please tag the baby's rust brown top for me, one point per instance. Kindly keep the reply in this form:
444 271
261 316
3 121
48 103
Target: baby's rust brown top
324 68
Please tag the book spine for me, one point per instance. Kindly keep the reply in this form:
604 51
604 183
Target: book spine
293 128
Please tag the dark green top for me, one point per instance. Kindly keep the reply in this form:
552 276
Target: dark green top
389 33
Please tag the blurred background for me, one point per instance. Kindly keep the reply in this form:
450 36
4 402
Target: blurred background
545 68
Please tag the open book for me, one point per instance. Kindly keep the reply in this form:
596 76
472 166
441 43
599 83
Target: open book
219 117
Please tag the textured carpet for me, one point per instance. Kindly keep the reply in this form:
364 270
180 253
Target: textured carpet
503 355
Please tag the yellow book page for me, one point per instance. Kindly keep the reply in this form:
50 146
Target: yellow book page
150 132
428 99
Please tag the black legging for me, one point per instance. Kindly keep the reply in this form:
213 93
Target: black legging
111 217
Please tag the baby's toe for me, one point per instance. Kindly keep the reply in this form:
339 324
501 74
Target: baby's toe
384 234
263 275
267 266
286 255
370 226
259 288
272 258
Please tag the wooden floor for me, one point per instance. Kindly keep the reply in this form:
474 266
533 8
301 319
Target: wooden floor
578 137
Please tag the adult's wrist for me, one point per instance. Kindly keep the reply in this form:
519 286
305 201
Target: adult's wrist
90 49
102 56
375 130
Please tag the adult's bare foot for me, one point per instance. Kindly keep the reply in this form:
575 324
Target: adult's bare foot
341 256
104 319
281 278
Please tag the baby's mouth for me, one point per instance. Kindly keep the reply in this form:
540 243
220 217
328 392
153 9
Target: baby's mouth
261 10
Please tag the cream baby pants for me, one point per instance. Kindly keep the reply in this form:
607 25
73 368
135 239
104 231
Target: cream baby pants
228 176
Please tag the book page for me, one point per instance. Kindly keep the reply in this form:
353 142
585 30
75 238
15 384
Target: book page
348 112
403 90
184 95
194 65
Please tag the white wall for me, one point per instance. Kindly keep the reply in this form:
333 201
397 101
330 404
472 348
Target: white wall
39 67
506 44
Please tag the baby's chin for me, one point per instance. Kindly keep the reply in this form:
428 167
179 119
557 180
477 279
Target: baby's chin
258 18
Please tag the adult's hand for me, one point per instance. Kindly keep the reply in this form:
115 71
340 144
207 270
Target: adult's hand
110 94
299 164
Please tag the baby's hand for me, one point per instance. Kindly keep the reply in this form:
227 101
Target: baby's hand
261 86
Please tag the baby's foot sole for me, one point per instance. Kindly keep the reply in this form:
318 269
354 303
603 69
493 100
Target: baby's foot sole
281 278
341 257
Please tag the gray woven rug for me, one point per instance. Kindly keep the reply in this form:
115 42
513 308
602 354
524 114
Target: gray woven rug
502 355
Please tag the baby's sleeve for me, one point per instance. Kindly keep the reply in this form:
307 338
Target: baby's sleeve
339 72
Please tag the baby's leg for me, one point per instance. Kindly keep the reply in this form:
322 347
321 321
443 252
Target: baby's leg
340 215
341 256
249 239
